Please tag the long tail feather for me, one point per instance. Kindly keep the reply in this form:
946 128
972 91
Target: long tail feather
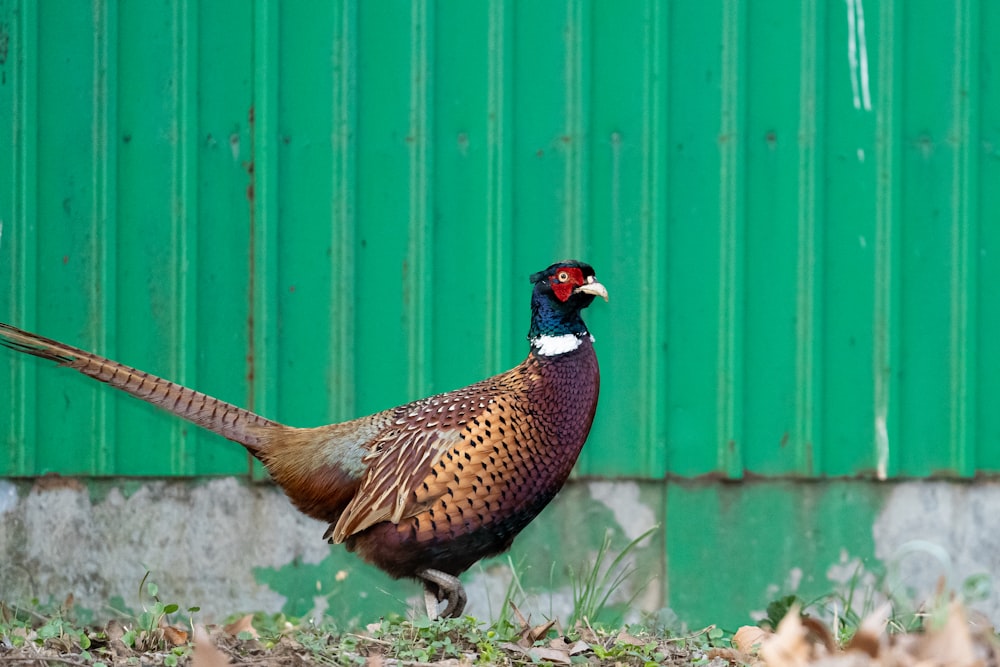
226 419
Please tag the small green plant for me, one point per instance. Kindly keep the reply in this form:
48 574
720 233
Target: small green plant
147 629
778 608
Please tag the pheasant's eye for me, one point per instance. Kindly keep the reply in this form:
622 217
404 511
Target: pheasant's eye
562 276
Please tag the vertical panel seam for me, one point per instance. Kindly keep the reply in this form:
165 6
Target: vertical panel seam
417 277
807 326
185 220
653 190
25 293
263 330
575 196
498 186
344 183
104 220
962 339
730 396
886 298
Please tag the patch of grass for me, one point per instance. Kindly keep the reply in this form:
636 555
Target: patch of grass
29 635
159 633
424 640
471 641
42 624
514 595
49 632
598 583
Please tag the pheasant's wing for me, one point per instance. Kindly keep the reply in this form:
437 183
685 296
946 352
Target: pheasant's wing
386 493
400 481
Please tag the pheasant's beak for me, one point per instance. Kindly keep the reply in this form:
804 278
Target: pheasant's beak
593 287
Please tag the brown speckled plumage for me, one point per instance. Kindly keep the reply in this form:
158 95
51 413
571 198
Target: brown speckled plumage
468 499
426 489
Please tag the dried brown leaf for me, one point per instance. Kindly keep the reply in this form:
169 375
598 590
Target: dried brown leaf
114 631
587 633
730 655
528 634
952 643
552 655
749 638
816 632
870 635
242 624
538 653
625 638
575 648
787 647
205 653
538 632
174 636
521 620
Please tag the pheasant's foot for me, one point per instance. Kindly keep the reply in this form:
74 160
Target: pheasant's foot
440 586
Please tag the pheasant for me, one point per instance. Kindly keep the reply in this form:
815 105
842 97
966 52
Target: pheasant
426 489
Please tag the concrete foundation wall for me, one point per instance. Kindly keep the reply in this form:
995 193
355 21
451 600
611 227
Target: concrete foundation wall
722 551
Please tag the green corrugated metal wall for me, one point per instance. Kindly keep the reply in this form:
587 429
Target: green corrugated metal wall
322 209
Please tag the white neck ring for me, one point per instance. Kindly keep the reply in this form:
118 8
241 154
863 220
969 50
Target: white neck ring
549 346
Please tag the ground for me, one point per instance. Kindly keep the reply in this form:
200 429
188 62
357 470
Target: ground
948 635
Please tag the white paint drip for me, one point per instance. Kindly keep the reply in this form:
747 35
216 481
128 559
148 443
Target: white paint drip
881 445
866 95
857 55
1 233
552 345
852 52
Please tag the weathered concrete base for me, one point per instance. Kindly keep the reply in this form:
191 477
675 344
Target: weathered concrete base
723 550
200 541
227 546
940 532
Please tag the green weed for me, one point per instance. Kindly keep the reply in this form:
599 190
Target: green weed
593 589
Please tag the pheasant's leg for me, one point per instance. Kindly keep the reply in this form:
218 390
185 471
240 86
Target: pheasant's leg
440 586
431 599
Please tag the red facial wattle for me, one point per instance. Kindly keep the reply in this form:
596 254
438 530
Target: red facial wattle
563 289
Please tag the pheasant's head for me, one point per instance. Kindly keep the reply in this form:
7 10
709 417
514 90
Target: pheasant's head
561 292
